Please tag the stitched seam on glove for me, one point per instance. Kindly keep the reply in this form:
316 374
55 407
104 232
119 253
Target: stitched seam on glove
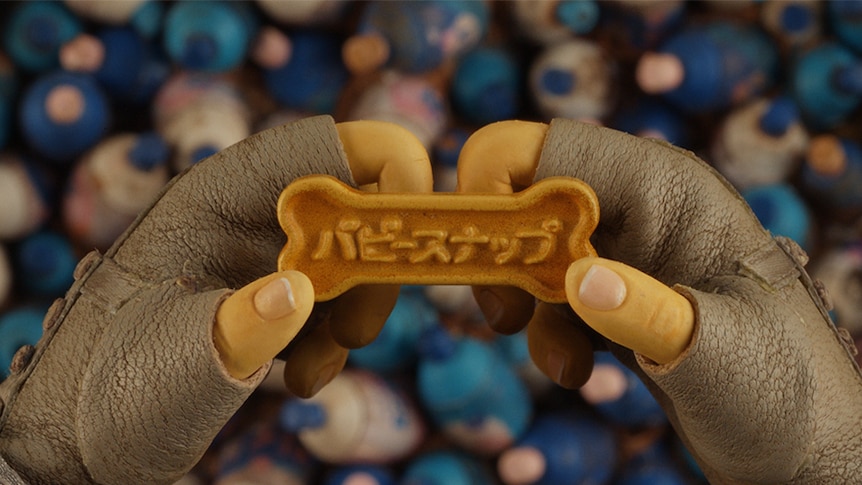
808 283
12 385
770 266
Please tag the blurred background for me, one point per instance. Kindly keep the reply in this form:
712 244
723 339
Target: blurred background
102 102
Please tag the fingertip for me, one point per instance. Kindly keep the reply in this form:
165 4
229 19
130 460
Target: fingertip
501 157
307 386
576 270
313 362
279 295
358 315
560 349
258 320
302 287
580 266
401 164
506 309
596 283
630 308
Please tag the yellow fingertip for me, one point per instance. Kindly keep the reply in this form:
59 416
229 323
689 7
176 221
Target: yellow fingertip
260 319
301 286
386 154
501 157
630 308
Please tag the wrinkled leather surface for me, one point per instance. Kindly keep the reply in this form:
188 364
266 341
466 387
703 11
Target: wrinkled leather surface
8 476
126 385
766 392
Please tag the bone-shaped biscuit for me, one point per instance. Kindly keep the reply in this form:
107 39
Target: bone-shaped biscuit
342 237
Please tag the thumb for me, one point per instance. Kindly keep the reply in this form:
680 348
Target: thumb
260 319
630 308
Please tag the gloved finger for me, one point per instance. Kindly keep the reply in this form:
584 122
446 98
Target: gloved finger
359 314
514 147
507 309
217 220
392 159
501 158
630 308
560 349
663 210
386 154
314 362
255 323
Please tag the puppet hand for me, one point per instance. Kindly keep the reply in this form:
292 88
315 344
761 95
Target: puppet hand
620 302
258 321
383 157
154 348
727 329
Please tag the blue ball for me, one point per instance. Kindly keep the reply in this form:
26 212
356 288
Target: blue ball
653 118
725 64
823 102
133 69
845 18
486 86
32 36
63 141
577 449
211 36
580 16
313 78
781 210
45 262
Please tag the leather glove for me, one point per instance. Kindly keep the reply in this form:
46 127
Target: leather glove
718 317
152 349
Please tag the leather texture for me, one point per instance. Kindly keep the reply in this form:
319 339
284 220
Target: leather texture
766 392
8 476
126 385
